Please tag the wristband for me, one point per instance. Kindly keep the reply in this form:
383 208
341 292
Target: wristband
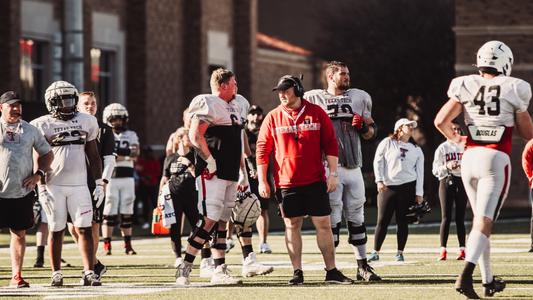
40 173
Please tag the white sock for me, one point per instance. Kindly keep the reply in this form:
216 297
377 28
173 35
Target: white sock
399 252
359 251
442 249
475 246
484 265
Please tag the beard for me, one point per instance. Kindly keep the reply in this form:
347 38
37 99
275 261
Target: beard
343 85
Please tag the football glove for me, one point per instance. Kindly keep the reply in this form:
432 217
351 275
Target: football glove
99 193
47 201
211 168
359 123
417 211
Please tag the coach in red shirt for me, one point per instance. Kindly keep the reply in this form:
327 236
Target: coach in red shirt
300 134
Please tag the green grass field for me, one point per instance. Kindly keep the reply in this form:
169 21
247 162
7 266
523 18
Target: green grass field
150 274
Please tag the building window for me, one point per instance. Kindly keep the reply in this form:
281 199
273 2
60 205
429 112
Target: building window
103 75
34 70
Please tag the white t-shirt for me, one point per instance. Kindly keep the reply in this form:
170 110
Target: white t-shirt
68 139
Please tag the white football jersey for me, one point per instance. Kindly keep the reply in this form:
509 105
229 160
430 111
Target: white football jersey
125 139
217 112
490 102
68 139
244 105
342 106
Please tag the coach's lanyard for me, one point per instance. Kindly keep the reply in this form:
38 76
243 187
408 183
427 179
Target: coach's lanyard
294 121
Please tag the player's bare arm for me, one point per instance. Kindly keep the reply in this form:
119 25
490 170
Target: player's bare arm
524 125
95 162
41 166
444 118
371 133
197 137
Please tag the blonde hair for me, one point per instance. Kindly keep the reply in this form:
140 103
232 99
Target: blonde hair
181 132
220 76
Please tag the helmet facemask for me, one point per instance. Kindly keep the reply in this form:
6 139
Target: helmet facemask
64 107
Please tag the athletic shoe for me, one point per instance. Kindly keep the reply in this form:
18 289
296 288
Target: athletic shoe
250 267
399 257
222 276
531 249
178 262
99 269
374 256
336 277
464 285
90 278
265 248
18 282
39 262
443 254
207 267
128 249
297 277
230 243
367 273
461 255
57 279
107 248
182 273
497 285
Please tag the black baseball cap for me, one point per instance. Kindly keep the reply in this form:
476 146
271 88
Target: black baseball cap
10 97
255 110
285 83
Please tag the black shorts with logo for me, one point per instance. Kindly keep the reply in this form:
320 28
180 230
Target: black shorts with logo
309 200
17 213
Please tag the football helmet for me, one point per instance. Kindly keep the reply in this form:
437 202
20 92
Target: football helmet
115 110
497 55
246 211
61 100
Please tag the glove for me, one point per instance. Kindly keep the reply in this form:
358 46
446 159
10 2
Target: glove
47 201
359 123
99 193
211 168
242 182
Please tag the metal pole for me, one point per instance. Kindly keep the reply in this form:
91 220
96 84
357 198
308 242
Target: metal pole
73 46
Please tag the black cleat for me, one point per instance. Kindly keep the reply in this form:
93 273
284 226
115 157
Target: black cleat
39 262
297 277
464 285
99 269
335 276
497 285
531 249
90 279
367 273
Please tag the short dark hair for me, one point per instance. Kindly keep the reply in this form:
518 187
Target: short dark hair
334 66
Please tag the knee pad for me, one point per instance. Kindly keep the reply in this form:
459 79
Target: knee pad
246 234
356 234
336 233
201 233
220 234
126 221
110 220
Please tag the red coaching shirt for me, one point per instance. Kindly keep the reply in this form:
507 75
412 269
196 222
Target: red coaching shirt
527 161
299 139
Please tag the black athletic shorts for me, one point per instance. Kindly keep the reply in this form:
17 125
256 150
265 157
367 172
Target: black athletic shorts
17 213
309 200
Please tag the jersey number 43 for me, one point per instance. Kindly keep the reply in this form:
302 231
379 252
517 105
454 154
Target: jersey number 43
493 105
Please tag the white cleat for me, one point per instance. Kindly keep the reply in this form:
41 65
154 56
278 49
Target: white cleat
178 262
222 276
182 274
265 248
250 267
57 279
207 267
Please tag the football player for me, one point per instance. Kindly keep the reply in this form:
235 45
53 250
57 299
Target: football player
120 190
493 103
72 136
350 111
216 133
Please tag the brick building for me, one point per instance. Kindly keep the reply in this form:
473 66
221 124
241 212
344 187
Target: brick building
153 56
479 21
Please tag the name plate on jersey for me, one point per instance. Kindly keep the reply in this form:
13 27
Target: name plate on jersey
486 134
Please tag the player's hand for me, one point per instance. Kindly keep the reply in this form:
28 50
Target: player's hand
381 187
99 192
332 183
419 199
211 168
46 200
31 181
242 183
264 189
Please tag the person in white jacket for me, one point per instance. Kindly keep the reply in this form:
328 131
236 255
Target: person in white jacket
447 169
399 172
